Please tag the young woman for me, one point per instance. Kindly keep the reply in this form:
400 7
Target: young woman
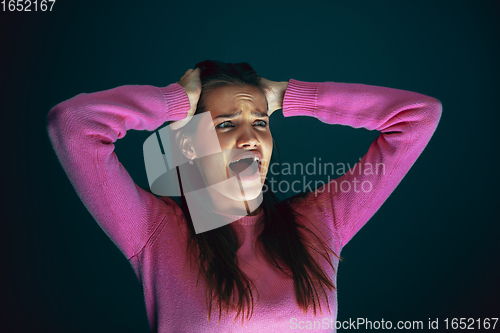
273 268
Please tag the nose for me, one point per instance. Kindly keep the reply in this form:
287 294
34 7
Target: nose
247 140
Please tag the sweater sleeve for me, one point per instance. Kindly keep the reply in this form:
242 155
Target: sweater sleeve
83 131
406 120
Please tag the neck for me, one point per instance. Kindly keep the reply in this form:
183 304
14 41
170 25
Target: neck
256 211
225 205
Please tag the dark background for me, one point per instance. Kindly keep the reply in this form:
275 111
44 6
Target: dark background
431 251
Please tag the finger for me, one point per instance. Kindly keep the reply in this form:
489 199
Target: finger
196 71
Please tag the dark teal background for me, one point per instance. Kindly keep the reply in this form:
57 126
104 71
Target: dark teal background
431 251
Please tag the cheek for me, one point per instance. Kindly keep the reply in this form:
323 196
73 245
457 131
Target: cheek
214 166
267 142
225 142
206 142
213 169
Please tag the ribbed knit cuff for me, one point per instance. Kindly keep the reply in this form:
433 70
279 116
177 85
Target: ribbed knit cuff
300 98
177 102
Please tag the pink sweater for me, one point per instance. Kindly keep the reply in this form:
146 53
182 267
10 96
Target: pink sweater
84 128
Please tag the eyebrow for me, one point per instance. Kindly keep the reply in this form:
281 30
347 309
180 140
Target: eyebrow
236 114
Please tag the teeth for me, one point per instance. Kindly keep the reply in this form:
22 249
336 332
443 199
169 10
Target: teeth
256 159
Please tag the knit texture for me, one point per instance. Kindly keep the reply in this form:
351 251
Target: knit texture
152 235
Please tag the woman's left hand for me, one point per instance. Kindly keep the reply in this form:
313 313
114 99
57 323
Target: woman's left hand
275 94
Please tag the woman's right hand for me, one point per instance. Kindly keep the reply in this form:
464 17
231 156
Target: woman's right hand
275 94
191 83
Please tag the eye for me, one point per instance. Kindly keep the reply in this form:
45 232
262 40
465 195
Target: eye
261 123
225 124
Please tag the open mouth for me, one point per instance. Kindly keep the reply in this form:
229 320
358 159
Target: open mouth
247 168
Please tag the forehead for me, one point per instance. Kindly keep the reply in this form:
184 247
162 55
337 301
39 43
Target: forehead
232 98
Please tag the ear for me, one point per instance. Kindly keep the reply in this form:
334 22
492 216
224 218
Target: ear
187 148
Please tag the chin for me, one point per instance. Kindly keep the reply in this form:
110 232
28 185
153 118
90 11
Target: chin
252 194
251 190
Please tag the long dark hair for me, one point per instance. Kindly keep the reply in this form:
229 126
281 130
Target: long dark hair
284 240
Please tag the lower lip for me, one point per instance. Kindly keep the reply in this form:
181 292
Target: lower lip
249 178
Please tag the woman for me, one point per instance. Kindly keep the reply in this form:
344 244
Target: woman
272 269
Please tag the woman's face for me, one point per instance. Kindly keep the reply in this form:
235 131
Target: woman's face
240 121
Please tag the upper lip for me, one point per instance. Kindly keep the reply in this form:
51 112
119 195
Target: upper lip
247 154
